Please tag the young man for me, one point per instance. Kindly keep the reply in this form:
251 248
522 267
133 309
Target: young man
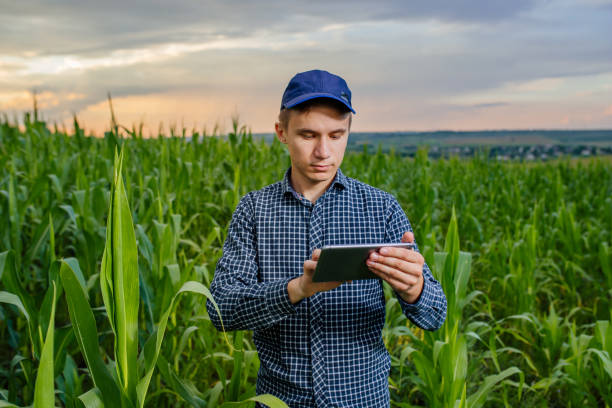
320 344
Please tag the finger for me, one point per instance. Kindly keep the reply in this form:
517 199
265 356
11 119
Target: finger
398 285
391 261
310 265
401 253
408 237
410 277
316 254
411 271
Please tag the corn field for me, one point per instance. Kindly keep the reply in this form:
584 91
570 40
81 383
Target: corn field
108 246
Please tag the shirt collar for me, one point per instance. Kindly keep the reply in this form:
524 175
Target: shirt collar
340 181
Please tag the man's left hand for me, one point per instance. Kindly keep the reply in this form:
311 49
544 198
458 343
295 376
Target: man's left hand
402 268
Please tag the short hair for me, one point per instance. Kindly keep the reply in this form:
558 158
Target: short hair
285 114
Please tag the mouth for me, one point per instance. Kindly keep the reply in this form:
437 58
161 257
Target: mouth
321 167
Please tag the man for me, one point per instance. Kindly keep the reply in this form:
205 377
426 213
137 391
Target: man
320 344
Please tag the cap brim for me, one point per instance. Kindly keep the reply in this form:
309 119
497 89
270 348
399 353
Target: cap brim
307 97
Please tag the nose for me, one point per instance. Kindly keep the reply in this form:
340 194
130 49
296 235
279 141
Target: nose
321 150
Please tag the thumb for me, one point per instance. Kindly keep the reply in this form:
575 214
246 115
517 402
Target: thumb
316 254
408 237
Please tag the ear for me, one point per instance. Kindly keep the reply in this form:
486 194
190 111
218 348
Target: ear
280 133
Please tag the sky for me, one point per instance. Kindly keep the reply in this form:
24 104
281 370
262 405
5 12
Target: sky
411 65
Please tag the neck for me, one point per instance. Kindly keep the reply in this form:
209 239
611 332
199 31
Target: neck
312 191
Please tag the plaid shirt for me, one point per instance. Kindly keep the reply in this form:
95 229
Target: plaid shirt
327 350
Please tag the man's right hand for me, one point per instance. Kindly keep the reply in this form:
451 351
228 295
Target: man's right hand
303 286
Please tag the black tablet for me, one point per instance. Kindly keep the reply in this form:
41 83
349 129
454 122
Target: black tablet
348 262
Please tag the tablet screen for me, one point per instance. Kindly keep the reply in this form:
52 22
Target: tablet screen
348 262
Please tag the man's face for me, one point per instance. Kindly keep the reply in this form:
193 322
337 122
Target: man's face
316 140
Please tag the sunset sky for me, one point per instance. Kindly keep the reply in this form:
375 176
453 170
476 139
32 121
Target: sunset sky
412 65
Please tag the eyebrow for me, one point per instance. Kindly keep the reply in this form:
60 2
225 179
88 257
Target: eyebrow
306 130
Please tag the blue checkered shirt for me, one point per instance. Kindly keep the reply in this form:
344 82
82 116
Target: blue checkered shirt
327 350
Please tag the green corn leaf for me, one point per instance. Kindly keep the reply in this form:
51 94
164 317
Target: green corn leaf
84 326
605 360
70 212
169 283
462 274
267 399
8 275
438 270
63 338
214 394
606 261
460 362
92 399
144 245
50 299
56 185
44 390
437 348
12 299
461 403
6 404
106 269
478 399
183 342
426 370
178 385
76 268
126 290
603 333
51 240
119 283
11 281
234 385
152 347
40 235
15 224
165 252
451 245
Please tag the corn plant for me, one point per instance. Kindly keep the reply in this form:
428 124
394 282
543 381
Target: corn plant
128 385
601 360
441 358
535 295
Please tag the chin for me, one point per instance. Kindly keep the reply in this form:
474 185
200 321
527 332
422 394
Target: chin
323 176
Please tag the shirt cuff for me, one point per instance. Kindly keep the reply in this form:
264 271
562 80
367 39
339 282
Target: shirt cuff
277 298
421 303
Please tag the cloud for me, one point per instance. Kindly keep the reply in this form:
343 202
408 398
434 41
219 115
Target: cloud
93 28
402 59
124 57
490 105
24 100
540 85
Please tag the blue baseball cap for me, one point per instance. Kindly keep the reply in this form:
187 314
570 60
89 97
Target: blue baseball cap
316 84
